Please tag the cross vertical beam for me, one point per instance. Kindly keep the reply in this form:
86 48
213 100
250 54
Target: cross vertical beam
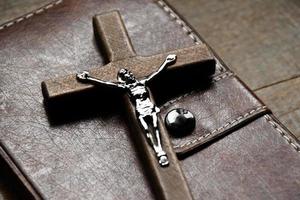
112 35
168 182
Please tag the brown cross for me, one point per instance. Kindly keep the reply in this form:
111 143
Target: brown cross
196 61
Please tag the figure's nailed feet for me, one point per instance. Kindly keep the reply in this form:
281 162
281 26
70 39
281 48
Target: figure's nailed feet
163 161
171 57
83 75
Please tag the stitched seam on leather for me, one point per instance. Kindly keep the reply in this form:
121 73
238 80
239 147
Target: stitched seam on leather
214 79
285 136
233 122
186 29
29 15
179 21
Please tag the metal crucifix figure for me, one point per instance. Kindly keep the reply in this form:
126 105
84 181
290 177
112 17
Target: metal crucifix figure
146 110
146 126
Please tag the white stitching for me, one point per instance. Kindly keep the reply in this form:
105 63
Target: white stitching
177 19
184 26
236 120
214 79
285 136
196 40
222 76
27 16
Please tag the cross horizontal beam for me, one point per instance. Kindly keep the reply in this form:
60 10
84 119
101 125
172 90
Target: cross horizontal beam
197 57
194 63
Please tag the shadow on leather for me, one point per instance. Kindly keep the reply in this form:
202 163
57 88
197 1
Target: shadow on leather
106 102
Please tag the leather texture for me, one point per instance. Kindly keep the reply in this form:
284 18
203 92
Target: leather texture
167 182
90 155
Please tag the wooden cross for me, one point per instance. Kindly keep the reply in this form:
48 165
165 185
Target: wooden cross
168 182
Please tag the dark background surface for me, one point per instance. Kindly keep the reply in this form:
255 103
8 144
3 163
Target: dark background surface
259 40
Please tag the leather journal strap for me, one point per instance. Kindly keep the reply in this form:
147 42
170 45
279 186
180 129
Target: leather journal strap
238 149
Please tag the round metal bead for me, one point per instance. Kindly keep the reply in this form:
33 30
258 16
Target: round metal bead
180 121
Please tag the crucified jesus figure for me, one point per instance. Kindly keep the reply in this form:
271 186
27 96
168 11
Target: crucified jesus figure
139 95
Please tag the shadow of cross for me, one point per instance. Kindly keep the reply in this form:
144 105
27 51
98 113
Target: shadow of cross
167 182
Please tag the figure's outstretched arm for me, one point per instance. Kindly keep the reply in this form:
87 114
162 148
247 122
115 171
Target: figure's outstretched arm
85 77
170 59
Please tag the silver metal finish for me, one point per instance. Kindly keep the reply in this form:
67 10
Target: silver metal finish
180 121
146 110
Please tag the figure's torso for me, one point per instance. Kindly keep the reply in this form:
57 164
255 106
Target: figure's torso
140 96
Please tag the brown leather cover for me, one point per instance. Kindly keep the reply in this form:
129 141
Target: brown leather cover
238 150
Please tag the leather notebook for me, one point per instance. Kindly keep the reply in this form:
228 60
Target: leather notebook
82 147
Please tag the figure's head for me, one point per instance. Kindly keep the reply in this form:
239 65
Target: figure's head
126 76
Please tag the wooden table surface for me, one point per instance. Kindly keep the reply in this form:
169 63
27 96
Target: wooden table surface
259 40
